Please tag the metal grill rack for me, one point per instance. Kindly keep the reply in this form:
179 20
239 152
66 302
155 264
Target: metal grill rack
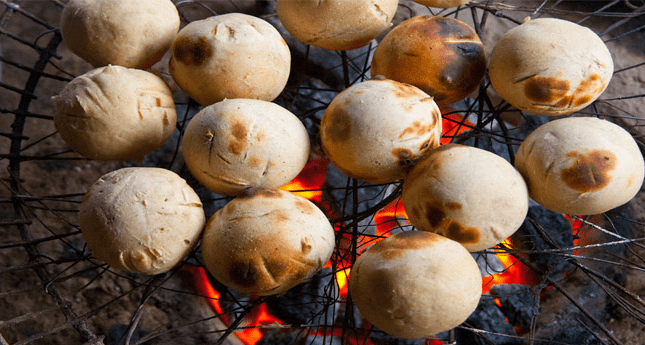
52 291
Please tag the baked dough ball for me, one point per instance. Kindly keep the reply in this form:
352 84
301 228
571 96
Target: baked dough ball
442 56
143 220
336 24
581 165
415 284
231 55
266 243
375 130
442 3
467 194
240 144
115 113
128 33
550 66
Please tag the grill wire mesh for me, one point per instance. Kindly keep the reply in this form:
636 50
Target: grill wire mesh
53 291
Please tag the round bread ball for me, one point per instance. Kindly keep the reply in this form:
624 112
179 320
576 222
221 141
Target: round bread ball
581 165
442 3
336 24
467 194
240 144
267 242
143 220
442 56
128 33
375 130
415 284
231 55
115 113
550 66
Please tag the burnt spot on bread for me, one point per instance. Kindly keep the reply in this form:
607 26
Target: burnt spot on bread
546 89
417 128
465 70
399 243
590 171
304 206
192 52
404 156
455 231
451 28
338 125
403 90
244 274
238 143
434 215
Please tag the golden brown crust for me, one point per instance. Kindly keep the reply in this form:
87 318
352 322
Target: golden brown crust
115 113
134 34
457 191
442 56
550 66
334 24
415 284
267 242
581 165
240 144
143 220
230 56
375 130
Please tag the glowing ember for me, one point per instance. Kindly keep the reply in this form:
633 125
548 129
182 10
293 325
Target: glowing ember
453 124
515 272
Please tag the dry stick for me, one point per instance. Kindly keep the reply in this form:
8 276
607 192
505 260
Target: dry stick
234 325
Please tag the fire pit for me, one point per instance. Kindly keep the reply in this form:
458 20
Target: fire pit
560 279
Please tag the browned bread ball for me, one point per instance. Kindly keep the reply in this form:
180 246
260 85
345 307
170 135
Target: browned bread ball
467 194
231 55
581 165
336 25
550 66
143 220
415 284
240 144
375 130
442 56
267 242
115 113
133 34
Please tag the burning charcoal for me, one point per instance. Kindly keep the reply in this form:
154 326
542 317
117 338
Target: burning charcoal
518 303
116 335
487 317
311 302
341 198
555 227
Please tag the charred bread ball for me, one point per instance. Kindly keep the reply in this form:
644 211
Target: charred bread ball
442 56
467 194
376 129
134 34
550 66
336 24
143 220
115 113
581 165
239 144
442 3
231 55
415 284
267 242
